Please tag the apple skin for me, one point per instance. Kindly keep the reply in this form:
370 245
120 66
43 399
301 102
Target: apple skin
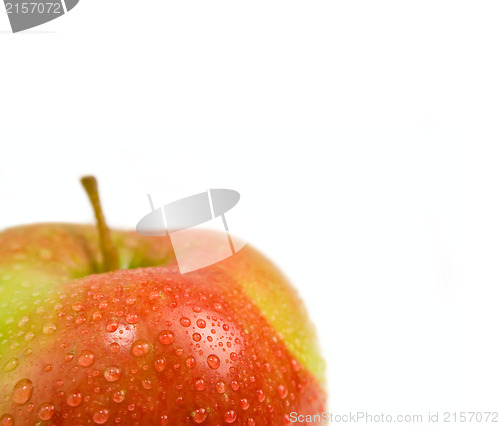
146 345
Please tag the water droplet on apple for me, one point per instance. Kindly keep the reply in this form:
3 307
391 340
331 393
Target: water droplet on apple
230 416
131 319
22 391
11 364
217 307
196 337
200 415
225 327
112 327
77 307
220 387
234 385
199 384
49 328
250 422
166 337
23 321
46 411
201 323
112 373
147 384
86 358
260 395
114 347
140 348
119 396
233 356
101 416
185 322
29 336
74 399
160 364
213 361
244 404
282 391
190 362
130 300
6 420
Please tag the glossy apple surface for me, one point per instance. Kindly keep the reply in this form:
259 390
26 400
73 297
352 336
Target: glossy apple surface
145 345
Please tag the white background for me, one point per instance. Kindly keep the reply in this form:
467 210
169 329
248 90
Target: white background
363 137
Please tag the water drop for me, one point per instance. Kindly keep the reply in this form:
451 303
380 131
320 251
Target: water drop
130 300
190 362
23 321
46 411
233 356
29 336
77 307
74 399
244 404
11 364
86 358
217 307
230 416
201 323
112 373
166 337
199 384
112 327
119 396
250 422
225 327
114 347
282 391
6 420
140 348
160 364
101 416
147 384
68 357
220 387
200 415
213 361
234 385
22 391
260 395
185 322
196 337
131 319
49 328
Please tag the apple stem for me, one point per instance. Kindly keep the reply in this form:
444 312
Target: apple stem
108 249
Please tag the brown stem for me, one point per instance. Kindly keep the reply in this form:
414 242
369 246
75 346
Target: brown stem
108 249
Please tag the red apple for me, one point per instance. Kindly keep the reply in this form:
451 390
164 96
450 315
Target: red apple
143 344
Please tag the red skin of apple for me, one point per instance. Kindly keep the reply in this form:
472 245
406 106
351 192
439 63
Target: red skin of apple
229 343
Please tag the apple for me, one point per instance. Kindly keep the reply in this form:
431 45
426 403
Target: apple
99 327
